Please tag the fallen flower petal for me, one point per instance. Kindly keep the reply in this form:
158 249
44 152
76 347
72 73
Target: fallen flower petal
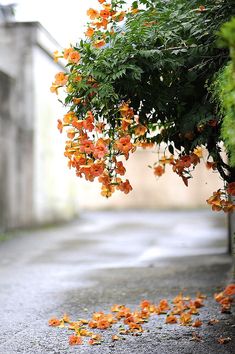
75 340
197 323
212 322
229 290
171 319
196 337
54 322
115 338
225 340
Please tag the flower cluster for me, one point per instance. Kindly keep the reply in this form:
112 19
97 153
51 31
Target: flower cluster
101 125
93 146
225 298
182 310
183 165
221 200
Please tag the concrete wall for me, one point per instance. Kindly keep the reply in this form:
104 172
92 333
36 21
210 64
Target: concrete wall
30 144
16 127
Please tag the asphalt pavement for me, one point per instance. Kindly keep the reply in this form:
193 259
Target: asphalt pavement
114 257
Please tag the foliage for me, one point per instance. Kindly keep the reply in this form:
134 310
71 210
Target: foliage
141 79
224 90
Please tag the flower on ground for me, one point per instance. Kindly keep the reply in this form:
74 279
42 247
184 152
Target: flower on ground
75 340
54 322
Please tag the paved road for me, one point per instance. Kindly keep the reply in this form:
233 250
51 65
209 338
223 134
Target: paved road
113 257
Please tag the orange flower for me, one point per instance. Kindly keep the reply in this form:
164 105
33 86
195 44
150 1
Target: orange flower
124 144
107 190
97 169
89 32
61 79
197 323
101 22
77 78
186 160
158 170
171 319
210 165
87 146
231 188
129 319
105 13
99 43
71 133
100 149
218 297
229 290
54 322
105 179
178 298
120 169
67 52
198 151
126 111
179 308
140 130
103 324
227 206
134 11
107 7
92 324
74 57
75 340
145 303
54 88
135 327
76 123
56 56
94 341
92 13
77 100
60 125
193 310
100 127
185 319
123 312
126 123
101 1
68 117
227 300
197 303
117 308
163 305
88 122
119 16
125 187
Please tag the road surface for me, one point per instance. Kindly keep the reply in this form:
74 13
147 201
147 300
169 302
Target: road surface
113 257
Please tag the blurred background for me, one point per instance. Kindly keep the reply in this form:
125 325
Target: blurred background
36 187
